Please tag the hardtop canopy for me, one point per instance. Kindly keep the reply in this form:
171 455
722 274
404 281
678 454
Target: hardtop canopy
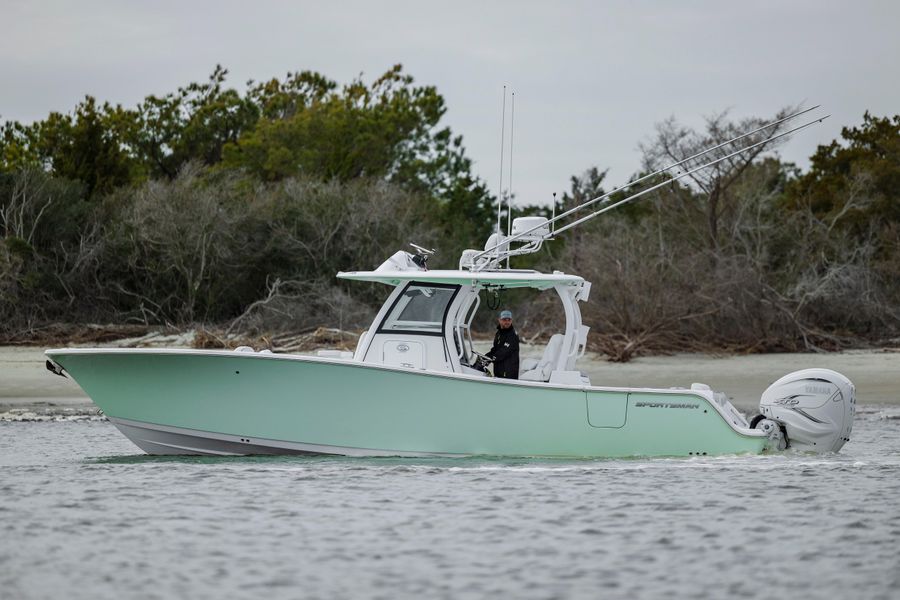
501 279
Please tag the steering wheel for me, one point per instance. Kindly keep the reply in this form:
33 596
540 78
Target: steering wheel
481 361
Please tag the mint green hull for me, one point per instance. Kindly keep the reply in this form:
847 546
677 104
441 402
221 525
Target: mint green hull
264 400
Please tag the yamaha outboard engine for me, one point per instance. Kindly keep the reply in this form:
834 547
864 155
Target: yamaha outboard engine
813 407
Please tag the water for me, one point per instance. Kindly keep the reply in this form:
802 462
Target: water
82 515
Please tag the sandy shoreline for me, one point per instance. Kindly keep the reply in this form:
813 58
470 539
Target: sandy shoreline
25 383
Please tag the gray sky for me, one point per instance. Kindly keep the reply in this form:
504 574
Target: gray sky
591 78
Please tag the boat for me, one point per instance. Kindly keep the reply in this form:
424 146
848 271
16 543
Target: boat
416 385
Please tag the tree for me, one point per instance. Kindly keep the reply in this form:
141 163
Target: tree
193 124
585 187
177 245
279 100
16 148
309 127
714 186
359 131
858 182
87 145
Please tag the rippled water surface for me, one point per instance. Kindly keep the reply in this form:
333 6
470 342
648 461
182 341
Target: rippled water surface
83 515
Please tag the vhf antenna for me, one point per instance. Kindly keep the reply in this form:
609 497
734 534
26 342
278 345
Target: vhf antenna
502 144
509 193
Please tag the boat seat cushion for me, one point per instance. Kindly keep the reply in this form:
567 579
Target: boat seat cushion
528 364
540 370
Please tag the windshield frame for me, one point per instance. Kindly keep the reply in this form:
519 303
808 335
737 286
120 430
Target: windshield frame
420 284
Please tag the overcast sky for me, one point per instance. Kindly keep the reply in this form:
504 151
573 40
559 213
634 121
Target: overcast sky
591 78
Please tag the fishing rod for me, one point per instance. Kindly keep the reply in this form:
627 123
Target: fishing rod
648 176
650 189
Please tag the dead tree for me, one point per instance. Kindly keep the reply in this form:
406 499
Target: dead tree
674 142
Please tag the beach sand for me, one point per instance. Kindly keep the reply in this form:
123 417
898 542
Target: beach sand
876 374
25 383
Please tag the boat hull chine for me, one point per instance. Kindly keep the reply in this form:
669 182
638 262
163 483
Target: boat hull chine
166 440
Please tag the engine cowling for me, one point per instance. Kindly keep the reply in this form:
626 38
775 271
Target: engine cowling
815 407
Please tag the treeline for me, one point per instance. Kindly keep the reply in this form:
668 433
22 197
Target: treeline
752 255
194 206
235 209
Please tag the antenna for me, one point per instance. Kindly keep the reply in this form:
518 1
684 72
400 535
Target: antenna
680 175
502 143
509 194
553 216
663 170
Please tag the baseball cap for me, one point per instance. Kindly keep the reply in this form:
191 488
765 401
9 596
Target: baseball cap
506 314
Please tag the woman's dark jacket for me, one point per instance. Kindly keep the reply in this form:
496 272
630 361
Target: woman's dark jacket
505 353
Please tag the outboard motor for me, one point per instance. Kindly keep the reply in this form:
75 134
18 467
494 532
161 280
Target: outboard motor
814 407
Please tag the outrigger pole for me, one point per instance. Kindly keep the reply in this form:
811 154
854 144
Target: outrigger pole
653 174
686 173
